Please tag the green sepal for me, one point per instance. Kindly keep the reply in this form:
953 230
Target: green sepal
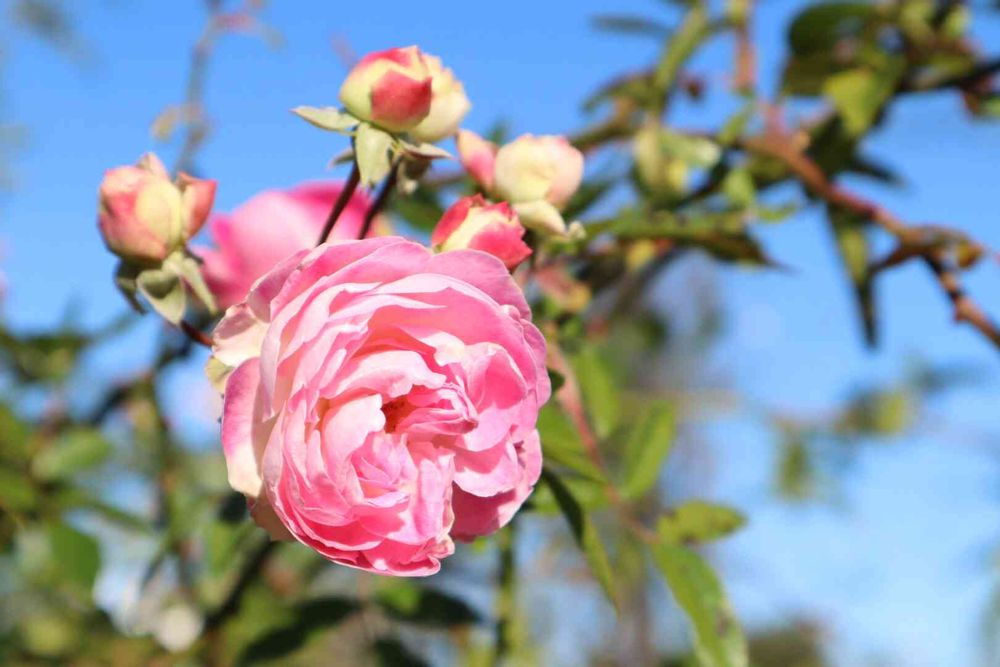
165 292
328 118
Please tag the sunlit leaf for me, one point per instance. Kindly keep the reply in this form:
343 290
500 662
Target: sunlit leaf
698 521
718 638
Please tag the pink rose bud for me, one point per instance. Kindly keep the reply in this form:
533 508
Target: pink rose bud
140 211
392 89
478 156
493 228
197 197
381 401
249 243
449 105
531 169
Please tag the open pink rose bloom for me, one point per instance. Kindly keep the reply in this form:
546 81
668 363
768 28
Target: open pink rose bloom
268 228
381 401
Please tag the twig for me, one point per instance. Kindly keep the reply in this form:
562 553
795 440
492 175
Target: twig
813 178
342 200
195 334
745 79
979 73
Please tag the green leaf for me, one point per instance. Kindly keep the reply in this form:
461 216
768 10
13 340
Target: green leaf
371 150
309 618
698 521
585 533
739 188
718 638
76 450
77 554
600 391
15 435
188 269
327 118
58 554
561 443
681 46
647 448
16 492
406 601
392 652
736 125
859 94
820 26
851 234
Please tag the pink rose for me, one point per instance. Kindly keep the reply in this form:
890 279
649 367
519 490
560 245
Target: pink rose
268 228
392 89
473 223
382 401
478 156
144 216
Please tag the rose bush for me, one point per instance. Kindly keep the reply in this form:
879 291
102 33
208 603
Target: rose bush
381 401
269 227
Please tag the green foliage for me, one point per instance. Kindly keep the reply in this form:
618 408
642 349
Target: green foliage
719 641
585 533
647 448
697 522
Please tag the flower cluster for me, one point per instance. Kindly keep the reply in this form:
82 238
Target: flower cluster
380 397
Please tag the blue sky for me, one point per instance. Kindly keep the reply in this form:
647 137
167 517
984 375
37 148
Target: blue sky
897 568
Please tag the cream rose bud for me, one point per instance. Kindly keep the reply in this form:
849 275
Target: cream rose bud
477 225
449 105
532 169
391 89
141 211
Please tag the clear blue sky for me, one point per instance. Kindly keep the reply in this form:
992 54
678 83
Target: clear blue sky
897 568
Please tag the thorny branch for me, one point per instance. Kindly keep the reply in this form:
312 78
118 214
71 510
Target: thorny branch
913 239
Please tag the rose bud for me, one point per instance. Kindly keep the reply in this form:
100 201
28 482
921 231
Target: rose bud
449 105
249 243
392 89
141 211
493 228
197 197
478 157
532 169
381 401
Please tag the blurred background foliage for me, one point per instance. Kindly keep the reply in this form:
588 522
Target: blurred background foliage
631 313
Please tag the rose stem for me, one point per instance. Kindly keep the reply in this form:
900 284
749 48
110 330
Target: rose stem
380 200
195 334
341 203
